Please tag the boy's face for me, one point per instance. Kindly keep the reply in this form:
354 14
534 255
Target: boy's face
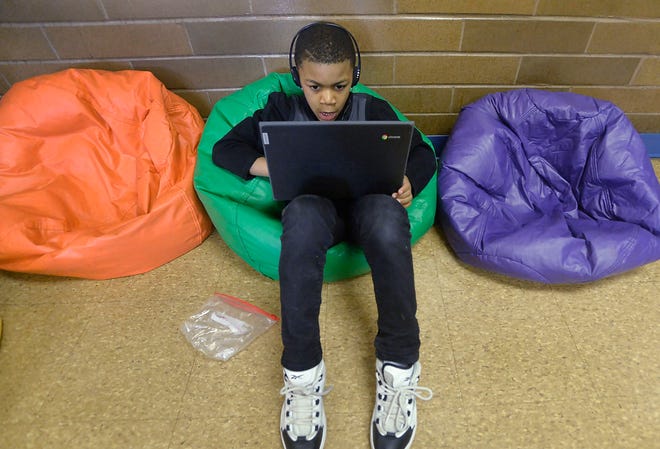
326 87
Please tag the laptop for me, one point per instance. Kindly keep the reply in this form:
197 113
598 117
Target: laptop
338 160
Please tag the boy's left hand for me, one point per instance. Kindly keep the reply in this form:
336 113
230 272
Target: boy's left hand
404 194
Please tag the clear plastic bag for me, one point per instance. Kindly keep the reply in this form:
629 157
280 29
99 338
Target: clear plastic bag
225 325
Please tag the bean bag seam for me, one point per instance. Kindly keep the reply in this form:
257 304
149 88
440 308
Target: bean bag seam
508 259
190 209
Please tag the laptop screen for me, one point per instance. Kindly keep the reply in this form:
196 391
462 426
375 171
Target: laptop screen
338 160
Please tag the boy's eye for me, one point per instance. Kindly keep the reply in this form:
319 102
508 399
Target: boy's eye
340 86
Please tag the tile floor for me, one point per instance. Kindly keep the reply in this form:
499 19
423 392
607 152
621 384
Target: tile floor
513 364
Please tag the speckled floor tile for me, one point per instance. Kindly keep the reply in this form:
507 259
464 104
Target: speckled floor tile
454 274
512 363
556 424
231 432
634 422
615 327
37 342
247 385
428 246
130 363
121 434
512 346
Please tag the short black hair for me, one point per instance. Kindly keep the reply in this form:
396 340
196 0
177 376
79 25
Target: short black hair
324 43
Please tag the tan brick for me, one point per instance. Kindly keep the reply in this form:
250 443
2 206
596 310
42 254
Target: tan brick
254 37
115 41
23 43
649 73
630 99
51 11
199 99
344 7
24 70
645 123
394 35
577 70
626 38
418 99
463 96
274 37
467 6
4 84
146 9
204 73
456 69
216 95
526 36
276 64
600 8
377 70
433 124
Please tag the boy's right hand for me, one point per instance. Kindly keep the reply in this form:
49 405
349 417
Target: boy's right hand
404 194
259 167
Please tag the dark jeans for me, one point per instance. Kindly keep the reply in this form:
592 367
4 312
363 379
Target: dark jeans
378 224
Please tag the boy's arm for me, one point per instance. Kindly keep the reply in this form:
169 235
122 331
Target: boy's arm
240 150
421 159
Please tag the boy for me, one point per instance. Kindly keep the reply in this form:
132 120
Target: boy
325 63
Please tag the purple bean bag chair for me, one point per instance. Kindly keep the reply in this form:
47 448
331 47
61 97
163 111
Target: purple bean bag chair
550 187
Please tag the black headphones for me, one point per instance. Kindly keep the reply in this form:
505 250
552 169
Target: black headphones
294 69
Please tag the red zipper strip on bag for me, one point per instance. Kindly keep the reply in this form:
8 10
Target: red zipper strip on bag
244 305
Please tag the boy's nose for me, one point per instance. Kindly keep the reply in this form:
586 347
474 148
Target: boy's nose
327 97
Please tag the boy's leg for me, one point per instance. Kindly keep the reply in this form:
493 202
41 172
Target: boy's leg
311 226
380 225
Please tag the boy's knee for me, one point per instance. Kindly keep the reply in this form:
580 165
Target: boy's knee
309 215
382 209
383 220
307 207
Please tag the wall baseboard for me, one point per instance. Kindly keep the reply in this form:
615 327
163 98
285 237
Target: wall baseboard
651 141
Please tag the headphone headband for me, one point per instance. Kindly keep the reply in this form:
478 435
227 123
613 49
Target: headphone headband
292 49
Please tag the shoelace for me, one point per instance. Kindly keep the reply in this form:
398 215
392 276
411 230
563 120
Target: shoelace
395 409
302 402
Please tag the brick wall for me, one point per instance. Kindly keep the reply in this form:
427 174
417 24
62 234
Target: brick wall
429 57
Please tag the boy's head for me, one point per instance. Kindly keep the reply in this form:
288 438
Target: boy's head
324 43
327 65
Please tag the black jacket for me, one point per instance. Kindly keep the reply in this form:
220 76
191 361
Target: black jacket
241 146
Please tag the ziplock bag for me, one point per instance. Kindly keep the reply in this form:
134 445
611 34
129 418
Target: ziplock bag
225 325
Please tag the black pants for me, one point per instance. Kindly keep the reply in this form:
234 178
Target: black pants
378 224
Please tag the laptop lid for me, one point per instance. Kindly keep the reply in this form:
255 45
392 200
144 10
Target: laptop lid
338 160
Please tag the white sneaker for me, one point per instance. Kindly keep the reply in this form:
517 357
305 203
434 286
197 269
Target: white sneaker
303 422
394 420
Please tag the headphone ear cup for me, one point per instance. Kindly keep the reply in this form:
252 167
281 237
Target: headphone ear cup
296 77
356 75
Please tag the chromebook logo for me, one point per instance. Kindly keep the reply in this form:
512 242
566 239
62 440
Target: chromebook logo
388 137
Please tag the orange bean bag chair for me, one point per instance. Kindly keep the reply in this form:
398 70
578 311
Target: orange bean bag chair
96 175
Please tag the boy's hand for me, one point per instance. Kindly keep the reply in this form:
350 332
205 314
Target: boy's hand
259 167
404 194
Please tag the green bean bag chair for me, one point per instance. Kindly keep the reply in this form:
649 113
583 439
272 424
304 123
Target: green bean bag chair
244 212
